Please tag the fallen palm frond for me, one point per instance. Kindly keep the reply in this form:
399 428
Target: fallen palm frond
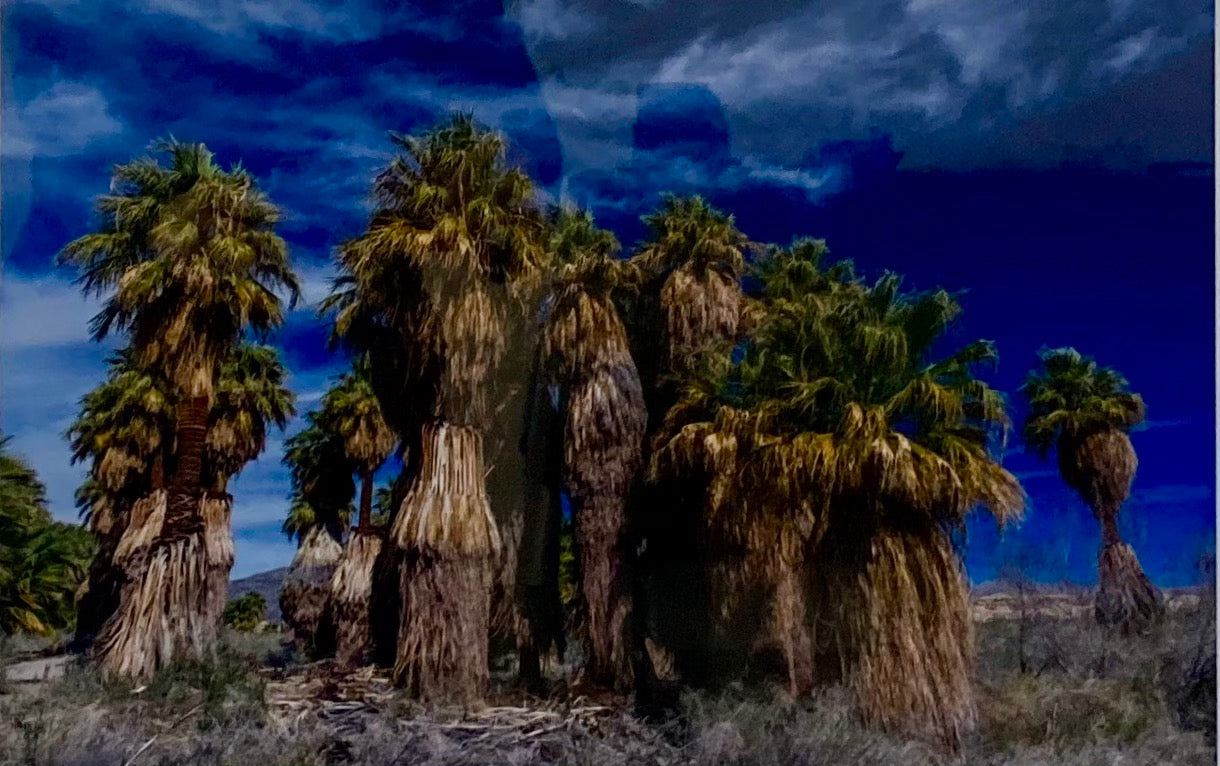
351 595
305 596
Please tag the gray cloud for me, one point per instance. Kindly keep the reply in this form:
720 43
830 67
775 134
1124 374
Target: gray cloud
946 78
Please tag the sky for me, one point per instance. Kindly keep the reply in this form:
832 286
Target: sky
1051 159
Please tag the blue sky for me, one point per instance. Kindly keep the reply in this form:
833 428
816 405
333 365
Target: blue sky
1051 158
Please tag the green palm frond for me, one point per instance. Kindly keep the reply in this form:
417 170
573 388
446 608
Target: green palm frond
1069 393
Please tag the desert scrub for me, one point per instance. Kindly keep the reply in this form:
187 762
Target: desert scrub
765 728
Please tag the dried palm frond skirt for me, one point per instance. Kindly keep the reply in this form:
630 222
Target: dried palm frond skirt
352 593
1126 598
891 619
173 589
305 596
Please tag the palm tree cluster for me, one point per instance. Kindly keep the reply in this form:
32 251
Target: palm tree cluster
773 473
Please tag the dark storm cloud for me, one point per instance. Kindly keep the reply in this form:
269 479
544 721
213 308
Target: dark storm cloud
953 82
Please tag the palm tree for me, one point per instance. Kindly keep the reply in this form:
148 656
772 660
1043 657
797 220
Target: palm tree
354 414
188 261
455 236
126 429
1083 412
42 562
692 264
604 423
690 290
844 452
321 507
252 394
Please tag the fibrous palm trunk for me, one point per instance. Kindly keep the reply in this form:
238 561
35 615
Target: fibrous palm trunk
165 609
604 434
1101 466
352 594
447 536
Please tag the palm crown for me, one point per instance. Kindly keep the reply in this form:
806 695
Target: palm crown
187 258
453 226
1070 394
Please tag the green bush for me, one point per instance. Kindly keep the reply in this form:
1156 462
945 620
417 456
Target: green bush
246 612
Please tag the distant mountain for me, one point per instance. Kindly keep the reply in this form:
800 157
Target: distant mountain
266 584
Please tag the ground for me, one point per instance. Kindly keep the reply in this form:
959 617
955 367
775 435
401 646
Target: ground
1052 689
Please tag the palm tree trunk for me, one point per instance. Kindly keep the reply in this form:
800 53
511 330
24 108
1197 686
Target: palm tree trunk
365 520
601 528
1126 598
182 515
351 596
892 621
305 598
169 608
447 536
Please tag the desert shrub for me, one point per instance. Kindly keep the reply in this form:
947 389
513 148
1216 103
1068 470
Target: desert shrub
246 612
225 688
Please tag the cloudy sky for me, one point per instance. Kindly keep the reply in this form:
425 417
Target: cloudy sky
1052 158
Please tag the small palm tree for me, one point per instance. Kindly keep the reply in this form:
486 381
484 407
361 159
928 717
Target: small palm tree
126 430
426 292
604 423
252 394
321 508
685 317
1083 412
188 261
353 413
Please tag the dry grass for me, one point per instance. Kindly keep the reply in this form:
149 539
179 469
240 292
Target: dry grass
1091 698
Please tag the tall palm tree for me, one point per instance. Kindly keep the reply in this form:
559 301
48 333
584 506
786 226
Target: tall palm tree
188 261
455 237
322 491
842 438
354 414
126 429
690 291
42 562
604 423
1083 412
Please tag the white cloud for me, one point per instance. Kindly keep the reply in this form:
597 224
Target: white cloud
62 120
43 312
